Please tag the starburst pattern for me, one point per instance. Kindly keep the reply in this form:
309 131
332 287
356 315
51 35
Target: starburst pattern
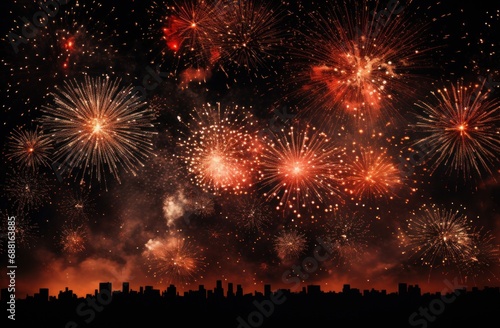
73 239
371 174
347 237
99 127
354 63
461 130
300 169
219 149
30 148
436 237
174 260
289 244
27 190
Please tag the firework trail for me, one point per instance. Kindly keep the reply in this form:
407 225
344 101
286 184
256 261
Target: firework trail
97 127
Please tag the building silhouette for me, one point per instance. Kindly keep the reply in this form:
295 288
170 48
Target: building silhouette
407 307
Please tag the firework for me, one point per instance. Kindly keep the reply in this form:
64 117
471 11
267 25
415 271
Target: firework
174 260
248 212
71 42
288 245
185 29
347 237
73 239
203 204
25 230
218 149
77 205
300 169
462 130
248 34
98 126
190 28
371 174
27 190
484 256
29 149
438 237
253 213
357 61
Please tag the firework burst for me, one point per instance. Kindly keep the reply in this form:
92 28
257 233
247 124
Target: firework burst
77 205
73 239
174 260
26 231
249 212
347 237
71 42
248 34
300 169
462 130
27 190
288 245
371 174
438 237
190 29
186 30
29 149
219 149
484 256
98 126
203 204
358 56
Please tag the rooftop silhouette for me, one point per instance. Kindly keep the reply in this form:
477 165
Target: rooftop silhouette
229 306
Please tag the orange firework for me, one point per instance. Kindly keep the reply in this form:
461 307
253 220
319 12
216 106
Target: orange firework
300 168
484 257
174 260
219 149
73 239
436 237
30 149
289 244
371 174
97 126
461 130
249 33
190 28
357 56
346 237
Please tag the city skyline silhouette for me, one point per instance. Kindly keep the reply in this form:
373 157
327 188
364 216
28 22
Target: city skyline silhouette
230 305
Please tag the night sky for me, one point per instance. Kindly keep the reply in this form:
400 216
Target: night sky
184 142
